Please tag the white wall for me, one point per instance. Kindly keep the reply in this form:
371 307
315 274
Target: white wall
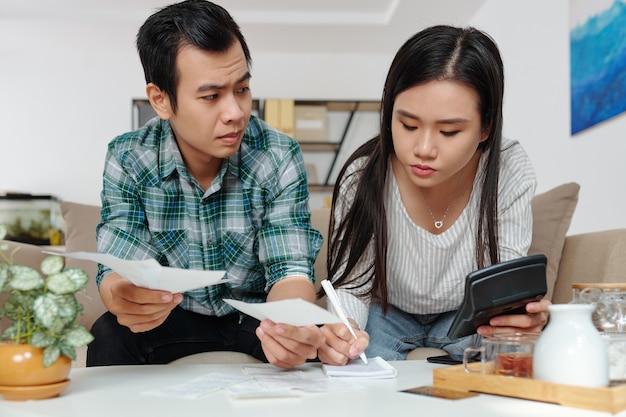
66 90
534 40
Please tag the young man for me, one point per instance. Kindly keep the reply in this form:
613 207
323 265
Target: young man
206 185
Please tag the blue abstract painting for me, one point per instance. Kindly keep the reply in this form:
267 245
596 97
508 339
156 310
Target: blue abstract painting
598 61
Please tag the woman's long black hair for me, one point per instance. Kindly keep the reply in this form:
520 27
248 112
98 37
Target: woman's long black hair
464 55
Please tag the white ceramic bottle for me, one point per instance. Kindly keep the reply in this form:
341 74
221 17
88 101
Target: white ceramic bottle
570 350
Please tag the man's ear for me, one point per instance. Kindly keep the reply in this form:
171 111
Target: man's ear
160 102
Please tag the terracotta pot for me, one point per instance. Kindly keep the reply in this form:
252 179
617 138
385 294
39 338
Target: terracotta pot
22 365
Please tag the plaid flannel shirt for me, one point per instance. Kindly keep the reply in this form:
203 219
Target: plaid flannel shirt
253 221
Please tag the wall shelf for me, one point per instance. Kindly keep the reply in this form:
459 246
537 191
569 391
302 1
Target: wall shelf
321 130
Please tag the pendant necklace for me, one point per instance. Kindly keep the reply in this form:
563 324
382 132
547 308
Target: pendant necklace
439 223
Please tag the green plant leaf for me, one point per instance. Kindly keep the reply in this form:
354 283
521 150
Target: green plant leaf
52 264
25 278
9 333
46 309
67 350
78 336
41 339
50 355
4 275
16 306
78 276
55 311
61 283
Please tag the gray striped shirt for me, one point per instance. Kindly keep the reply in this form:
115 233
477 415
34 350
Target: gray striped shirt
426 272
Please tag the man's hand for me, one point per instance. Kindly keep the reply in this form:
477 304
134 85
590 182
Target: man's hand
340 346
287 346
532 322
139 309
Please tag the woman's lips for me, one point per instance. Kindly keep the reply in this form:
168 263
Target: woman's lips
422 170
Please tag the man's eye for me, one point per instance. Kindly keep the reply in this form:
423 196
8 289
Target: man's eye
244 89
209 97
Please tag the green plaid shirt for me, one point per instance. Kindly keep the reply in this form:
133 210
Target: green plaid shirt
253 221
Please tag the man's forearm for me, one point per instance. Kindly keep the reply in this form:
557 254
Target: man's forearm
292 287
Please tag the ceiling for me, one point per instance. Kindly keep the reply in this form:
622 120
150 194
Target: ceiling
319 26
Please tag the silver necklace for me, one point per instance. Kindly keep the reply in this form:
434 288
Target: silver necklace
439 223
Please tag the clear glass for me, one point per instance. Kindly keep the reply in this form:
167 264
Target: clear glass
609 301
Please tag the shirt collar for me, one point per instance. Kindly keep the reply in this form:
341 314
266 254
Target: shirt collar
171 159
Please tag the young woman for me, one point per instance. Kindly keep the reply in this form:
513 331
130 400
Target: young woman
437 194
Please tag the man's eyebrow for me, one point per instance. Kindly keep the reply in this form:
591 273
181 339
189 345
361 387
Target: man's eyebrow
210 87
455 120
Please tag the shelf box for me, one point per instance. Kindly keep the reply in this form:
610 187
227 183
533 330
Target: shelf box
311 123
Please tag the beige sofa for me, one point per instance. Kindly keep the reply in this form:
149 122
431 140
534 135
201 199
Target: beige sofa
589 257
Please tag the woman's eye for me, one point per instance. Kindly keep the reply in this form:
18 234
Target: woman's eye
409 128
449 134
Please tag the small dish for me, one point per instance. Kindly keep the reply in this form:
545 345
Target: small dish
36 392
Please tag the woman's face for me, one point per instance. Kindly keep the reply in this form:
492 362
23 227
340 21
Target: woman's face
436 129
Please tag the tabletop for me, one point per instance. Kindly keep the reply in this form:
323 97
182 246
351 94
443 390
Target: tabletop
119 391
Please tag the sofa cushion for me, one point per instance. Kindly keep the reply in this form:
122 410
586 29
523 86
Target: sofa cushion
80 236
552 215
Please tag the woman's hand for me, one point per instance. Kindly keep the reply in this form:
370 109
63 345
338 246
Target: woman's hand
533 321
340 346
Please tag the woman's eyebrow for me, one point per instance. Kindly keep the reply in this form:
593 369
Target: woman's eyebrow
451 121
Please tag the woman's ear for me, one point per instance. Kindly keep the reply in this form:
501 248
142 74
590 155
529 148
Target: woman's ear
485 133
160 102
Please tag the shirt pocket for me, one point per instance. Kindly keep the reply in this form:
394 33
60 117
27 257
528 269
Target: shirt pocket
165 212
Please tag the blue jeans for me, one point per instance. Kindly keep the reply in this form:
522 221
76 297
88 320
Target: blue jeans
183 333
394 335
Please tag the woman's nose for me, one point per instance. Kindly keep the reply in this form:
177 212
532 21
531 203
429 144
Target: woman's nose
425 145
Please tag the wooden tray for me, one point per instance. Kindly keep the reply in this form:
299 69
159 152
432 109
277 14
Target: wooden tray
610 399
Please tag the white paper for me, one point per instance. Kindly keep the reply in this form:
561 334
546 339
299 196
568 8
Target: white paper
256 383
294 311
198 387
150 274
376 368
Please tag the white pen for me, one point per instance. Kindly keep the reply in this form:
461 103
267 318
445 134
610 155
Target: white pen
334 300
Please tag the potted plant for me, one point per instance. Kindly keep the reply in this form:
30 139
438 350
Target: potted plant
43 310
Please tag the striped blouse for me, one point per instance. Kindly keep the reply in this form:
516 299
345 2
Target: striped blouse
426 272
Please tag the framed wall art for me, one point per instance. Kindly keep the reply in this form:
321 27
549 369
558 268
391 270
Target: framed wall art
597 61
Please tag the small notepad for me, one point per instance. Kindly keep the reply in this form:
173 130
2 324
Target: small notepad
376 368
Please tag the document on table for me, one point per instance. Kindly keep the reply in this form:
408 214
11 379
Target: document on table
294 311
150 274
376 368
256 382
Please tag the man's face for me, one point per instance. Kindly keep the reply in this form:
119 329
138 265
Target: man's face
213 104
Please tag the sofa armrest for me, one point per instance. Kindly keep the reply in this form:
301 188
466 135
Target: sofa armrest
25 253
588 258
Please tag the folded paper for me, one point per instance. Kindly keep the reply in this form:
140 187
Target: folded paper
294 311
150 274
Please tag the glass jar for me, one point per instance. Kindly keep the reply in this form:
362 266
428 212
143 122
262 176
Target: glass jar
609 301
616 343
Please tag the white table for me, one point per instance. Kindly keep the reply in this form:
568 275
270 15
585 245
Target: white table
116 392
